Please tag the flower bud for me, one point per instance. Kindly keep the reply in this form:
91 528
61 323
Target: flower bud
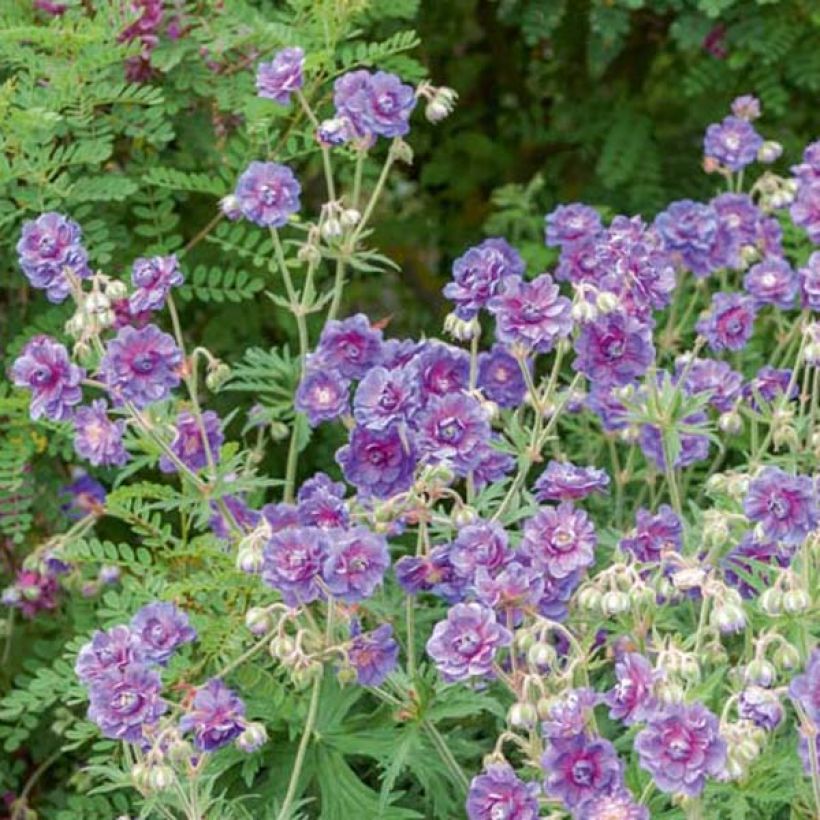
461 329
249 559
309 253
615 602
279 431
690 669
749 254
258 620
716 484
160 778
607 302
401 151
350 217
796 601
771 601
139 776
671 692
179 751
543 707
282 647
96 303
760 672
217 376
728 617
584 311
253 737
346 675
541 654
229 205
589 598
440 105
786 657
769 151
75 326
115 290
689 578
522 715
463 515
642 595
730 422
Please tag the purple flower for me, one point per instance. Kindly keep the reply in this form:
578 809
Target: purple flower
785 506
560 540
613 805
380 463
770 384
386 396
614 349
355 565
556 595
279 78
216 716
804 689
141 366
734 143
729 322
564 481
375 104
603 401
479 273
772 282
491 465
188 444
531 314
241 513
268 194
579 768
123 702
320 504
632 699
654 535
442 369
453 429
32 592
500 378
431 573
112 650
293 561
680 747
570 714
51 251
810 283
805 210
45 369
84 495
373 655
349 347
481 544
760 706
746 107
498 794
153 279
568 224
689 229
740 223
98 438
162 628
516 587
750 558
283 516
578 262
803 749
465 644
693 447
711 376
322 395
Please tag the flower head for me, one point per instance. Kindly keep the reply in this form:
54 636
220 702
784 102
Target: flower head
189 445
560 540
98 438
216 716
355 565
465 644
141 366
123 702
532 314
373 655
632 699
711 376
746 107
374 103
349 347
618 804
442 369
279 78
45 369
654 535
749 559
293 560
772 282
570 713
730 321
564 481
579 768
320 503
680 747
568 224
162 628
112 650
51 252
153 279
614 349
479 273
689 230
380 463
267 194
480 544
386 396
804 689
322 395
500 378
761 706
498 793
809 277
734 143
785 506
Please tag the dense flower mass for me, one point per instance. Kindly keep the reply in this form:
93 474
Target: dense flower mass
52 255
680 747
141 366
267 194
45 369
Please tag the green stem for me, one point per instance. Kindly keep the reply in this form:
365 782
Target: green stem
338 288
446 755
310 722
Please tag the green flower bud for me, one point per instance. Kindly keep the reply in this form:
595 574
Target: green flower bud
771 601
615 602
796 601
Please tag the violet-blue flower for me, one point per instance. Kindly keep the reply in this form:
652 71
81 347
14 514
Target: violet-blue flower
374 103
380 463
216 716
465 644
374 655
569 223
804 689
809 277
654 535
293 561
761 706
565 481
162 628
515 587
748 561
694 447
680 747
442 369
320 503
531 314
45 369
711 376
124 702
282 76
188 444
570 713
498 794
322 395
141 366
560 540
500 378
479 273
97 437
805 210
268 194
689 230
618 804
734 143
355 564
153 279
51 252
480 544
384 397
632 699
348 347
730 321
111 650
772 282
785 506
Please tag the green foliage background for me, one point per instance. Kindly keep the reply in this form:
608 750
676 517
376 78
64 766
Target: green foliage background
560 100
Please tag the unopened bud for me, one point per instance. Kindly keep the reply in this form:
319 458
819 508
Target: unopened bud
760 673
795 601
728 618
771 601
229 205
671 692
786 657
282 647
217 376
522 715
589 598
160 778
540 655
258 620
615 602
249 559
461 329
332 228
253 737
401 151
346 675
350 217
607 302
463 515
769 151
180 751
584 311
115 290
730 422
440 105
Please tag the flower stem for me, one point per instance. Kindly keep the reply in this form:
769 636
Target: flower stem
310 722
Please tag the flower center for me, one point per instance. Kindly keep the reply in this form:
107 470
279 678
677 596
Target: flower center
450 429
467 642
582 772
143 362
